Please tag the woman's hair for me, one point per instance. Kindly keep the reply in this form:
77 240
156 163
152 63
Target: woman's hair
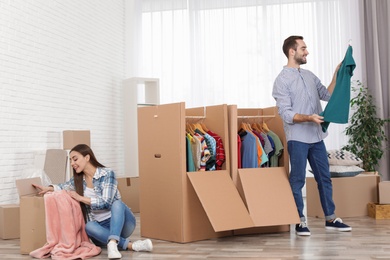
84 150
291 43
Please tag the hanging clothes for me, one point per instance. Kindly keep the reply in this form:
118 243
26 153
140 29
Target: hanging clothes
274 160
219 151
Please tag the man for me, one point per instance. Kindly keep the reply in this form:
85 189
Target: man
298 93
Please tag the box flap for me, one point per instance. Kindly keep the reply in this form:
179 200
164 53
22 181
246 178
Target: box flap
25 187
220 200
268 196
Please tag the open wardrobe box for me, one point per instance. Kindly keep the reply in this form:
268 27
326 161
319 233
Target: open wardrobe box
181 206
265 190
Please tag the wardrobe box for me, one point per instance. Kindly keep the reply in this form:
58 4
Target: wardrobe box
177 205
71 138
350 194
9 221
32 215
265 191
129 189
384 192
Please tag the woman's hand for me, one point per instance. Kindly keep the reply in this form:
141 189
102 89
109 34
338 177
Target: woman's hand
74 195
42 189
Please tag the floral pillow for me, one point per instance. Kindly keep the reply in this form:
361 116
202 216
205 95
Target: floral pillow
342 157
344 171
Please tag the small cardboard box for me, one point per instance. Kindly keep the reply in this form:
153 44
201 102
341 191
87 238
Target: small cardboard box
129 189
32 216
350 195
71 138
9 221
378 211
384 192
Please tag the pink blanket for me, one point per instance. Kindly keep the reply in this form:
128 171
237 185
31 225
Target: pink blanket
65 230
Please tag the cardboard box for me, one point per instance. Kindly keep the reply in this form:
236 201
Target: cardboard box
378 211
182 206
71 138
32 216
9 221
350 194
384 192
129 189
258 185
55 165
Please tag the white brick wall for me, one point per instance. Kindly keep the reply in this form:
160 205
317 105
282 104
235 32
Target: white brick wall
61 67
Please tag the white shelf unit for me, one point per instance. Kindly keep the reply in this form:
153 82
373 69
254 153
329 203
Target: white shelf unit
137 92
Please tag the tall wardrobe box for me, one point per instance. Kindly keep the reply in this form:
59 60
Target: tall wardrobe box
129 189
177 205
32 215
9 221
350 195
266 191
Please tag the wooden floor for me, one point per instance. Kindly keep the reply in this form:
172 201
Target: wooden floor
369 239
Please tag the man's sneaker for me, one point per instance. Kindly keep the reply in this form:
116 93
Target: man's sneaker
112 250
337 224
302 229
143 245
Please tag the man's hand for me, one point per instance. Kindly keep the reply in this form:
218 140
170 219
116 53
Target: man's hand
317 119
299 118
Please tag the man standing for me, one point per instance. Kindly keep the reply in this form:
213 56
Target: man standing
298 93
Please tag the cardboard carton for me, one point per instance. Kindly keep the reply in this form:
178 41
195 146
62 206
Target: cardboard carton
129 189
55 165
350 194
384 192
71 138
32 216
258 185
182 206
378 211
9 221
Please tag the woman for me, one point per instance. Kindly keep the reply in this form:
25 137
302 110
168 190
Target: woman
108 220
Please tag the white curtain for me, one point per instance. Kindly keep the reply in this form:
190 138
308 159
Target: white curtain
208 52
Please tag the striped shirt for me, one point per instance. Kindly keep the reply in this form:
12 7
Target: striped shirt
105 186
299 91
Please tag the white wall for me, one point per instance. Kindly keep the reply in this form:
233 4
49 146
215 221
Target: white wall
61 67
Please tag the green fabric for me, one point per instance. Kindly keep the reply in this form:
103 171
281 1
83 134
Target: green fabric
337 109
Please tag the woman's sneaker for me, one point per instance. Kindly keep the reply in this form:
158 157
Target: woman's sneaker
337 224
302 229
112 250
143 245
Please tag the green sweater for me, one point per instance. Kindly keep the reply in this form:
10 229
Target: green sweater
337 109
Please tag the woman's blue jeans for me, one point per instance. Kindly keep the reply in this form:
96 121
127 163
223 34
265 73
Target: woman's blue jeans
317 156
119 227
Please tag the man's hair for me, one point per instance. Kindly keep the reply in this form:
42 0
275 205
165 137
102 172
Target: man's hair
291 43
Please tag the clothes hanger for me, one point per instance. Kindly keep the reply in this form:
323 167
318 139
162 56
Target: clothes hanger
265 127
189 129
199 127
203 125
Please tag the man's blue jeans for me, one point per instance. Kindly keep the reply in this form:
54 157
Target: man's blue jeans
119 227
317 156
